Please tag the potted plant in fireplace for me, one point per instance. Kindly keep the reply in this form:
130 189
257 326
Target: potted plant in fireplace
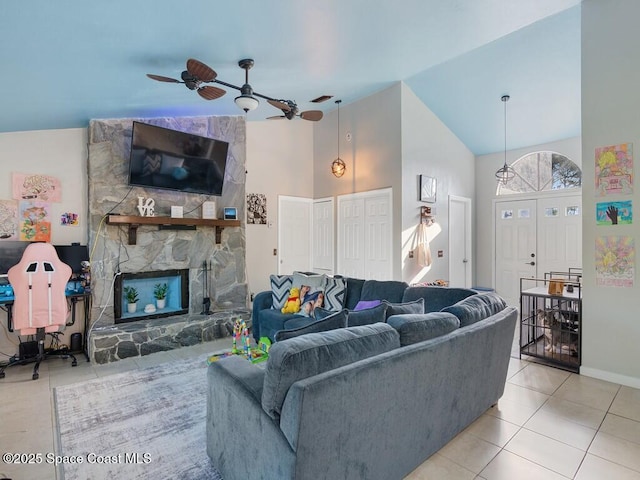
131 294
160 294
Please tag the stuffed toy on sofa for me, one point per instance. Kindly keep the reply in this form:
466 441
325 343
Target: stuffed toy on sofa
292 304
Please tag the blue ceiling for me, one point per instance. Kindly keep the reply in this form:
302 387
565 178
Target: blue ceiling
69 61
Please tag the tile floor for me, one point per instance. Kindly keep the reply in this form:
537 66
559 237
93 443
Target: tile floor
550 424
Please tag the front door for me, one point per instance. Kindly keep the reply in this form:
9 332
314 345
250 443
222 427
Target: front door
515 246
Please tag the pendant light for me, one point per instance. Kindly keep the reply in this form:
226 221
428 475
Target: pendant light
506 172
338 166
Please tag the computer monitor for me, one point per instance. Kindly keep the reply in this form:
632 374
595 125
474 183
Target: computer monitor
73 255
10 254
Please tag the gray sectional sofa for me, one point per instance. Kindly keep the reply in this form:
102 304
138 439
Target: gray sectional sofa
266 321
365 402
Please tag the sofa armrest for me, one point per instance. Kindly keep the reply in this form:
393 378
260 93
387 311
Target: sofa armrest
261 301
239 433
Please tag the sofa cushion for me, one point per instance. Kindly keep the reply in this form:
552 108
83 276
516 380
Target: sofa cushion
280 285
273 320
308 355
354 290
414 328
436 298
302 326
476 307
367 316
417 306
335 290
390 290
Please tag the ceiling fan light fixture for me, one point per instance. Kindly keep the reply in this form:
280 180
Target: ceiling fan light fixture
247 102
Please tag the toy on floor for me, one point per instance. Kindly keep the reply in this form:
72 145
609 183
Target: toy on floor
242 345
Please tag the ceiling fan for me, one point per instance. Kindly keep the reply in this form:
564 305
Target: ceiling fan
197 74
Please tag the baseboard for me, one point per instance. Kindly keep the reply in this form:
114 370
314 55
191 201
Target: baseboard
633 382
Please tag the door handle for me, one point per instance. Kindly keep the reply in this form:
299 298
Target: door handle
532 263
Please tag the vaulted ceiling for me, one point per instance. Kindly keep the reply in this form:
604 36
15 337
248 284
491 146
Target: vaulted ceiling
68 61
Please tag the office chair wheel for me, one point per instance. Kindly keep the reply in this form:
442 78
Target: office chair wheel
35 376
74 363
1 374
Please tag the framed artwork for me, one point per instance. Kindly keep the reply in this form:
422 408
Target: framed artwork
257 208
427 189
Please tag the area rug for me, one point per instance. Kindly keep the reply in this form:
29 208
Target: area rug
142 424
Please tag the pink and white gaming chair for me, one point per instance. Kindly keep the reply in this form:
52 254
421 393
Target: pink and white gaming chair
40 306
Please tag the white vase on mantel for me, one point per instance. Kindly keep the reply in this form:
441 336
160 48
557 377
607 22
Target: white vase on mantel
132 307
161 303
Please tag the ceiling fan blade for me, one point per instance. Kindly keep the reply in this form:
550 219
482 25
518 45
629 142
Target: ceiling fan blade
200 70
280 104
312 115
277 117
160 78
210 93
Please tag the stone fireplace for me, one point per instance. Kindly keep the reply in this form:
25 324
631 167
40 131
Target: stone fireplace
114 259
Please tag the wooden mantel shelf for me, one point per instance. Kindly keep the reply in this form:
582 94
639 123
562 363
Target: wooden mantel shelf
134 222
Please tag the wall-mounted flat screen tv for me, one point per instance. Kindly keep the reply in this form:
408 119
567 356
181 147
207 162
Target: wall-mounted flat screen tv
165 158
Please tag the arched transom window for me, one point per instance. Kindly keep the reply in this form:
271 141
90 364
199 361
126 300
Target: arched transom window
541 171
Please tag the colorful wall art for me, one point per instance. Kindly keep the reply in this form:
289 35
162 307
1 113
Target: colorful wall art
8 220
69 219
614 170
35 221
614 213
615 261
36 187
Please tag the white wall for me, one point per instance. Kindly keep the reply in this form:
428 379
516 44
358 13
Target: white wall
59 153
62 154
279 162
430 148
610 116
485 182
373 156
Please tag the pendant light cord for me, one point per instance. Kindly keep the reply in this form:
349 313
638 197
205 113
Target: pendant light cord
338 102
505 99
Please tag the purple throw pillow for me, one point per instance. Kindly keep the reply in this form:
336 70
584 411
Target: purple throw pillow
364 304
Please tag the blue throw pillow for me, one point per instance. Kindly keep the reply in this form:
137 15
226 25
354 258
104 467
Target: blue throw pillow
333 321
476 307
367 316
417 306
280 285
335 290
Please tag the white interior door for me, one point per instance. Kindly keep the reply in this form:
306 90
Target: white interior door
323 238
365 235
460 242
515 246
294 234
350 236
559 233
377 241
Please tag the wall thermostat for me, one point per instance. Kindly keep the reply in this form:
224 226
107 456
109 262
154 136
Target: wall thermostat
230 213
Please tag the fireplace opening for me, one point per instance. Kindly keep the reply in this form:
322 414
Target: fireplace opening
144 284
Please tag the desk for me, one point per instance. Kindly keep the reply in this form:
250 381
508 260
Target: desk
74 298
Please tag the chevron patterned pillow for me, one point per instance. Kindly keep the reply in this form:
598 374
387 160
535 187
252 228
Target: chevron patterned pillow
335 290
280 285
